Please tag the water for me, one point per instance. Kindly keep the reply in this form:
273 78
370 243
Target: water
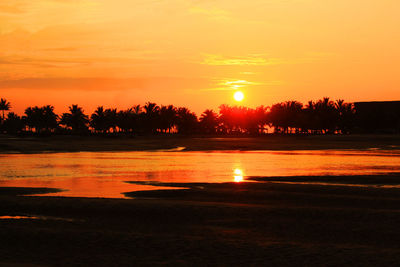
104 174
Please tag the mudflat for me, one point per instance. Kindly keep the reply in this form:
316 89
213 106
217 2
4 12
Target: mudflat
337 220
10 144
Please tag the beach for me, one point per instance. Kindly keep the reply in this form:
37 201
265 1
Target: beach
60 143
264 223
283 220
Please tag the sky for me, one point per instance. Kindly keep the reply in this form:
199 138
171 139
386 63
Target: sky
197 53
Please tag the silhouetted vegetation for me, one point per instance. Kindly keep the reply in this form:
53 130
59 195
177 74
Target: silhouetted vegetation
291 117
41 119
4 106
75 120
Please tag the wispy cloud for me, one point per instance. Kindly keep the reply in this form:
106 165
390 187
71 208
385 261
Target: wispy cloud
231 85
214 13
236 83
262 60
22 6
60 83
42 62
99 83
252 60
248 73
60 49
14 8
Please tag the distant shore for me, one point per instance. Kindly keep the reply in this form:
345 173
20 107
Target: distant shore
13 144
256 224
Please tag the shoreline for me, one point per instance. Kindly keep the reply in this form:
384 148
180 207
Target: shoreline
55 144
220 224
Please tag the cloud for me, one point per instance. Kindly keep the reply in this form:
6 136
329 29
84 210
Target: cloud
237 83
262 60
252 60
15 8
214 13
231 85
102 84
58 83
60 49
41 62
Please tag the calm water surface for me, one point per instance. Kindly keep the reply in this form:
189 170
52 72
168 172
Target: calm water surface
104 174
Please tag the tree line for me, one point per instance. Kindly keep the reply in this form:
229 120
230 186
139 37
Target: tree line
316 117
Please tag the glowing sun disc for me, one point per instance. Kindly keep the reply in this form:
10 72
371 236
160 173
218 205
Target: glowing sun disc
238 96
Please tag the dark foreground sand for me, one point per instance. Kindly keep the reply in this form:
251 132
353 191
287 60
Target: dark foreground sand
12 144
257 224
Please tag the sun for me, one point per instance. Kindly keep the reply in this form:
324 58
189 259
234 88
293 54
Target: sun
238 96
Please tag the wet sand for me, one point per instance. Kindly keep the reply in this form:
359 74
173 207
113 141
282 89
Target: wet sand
265 223
12 144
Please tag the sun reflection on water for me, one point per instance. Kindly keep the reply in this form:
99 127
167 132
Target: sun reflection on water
237 175
104 174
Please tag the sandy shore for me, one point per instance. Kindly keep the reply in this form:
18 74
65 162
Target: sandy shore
265 223
11 144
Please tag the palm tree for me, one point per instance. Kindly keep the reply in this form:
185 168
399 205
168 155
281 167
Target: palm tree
186 121
13 124
345 113
276 117
41 118
209 121
128 120
49 118
293 114
98 120
339 104
167 118
309 121
327 114
111 118
137 109
4 106
151 117
226 118
256 120
137 118
76 119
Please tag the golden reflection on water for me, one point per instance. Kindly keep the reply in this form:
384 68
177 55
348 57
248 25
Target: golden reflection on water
104 174
7 217
238 175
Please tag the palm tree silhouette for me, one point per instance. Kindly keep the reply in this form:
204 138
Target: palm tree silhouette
128 120
137 109
111 118
209 121
257 120
41 118
327 118
151 117
167 118
13 124
227 119
98 120
76 119
4 106
137 118
49 118
186 121
345 113
317 117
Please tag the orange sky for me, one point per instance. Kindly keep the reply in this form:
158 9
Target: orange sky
195 53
